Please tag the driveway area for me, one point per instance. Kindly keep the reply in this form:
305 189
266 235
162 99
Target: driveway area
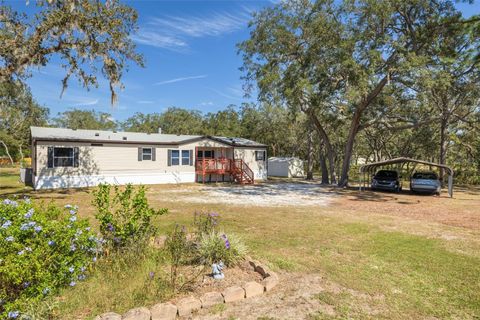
268 194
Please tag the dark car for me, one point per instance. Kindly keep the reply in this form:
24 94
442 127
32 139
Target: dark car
386 180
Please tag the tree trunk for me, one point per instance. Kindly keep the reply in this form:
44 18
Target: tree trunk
349 148
443 146
310 152
323 167
354 126
6 150
21 155
326 141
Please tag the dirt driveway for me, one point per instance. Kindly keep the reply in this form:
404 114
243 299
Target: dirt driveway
265 194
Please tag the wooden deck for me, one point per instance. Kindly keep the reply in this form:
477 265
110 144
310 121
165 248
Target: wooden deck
237 169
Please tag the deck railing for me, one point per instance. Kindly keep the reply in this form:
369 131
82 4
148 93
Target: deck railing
240 171
217 165
244 170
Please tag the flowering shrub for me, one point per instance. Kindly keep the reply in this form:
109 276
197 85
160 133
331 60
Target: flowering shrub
124 214
41 250
217 246
208 244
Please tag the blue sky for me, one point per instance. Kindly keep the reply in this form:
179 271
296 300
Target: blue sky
190 54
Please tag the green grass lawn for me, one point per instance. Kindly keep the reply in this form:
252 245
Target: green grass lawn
366 247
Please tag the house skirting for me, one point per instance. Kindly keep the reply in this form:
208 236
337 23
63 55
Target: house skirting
71 181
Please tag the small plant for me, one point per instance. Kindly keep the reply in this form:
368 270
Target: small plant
217 246
41 250
124 215
205 247
205 222
178 248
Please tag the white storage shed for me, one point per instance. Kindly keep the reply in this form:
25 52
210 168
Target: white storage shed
285 167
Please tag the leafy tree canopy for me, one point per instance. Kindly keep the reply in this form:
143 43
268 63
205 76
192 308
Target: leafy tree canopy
90 37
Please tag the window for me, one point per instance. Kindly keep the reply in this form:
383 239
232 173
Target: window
175 157
185 157
146 154
260 155
63 157
208 154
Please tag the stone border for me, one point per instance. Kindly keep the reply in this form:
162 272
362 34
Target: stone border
185 306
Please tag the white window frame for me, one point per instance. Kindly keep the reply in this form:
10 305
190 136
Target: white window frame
188 157
72 157
172 157
262 158
147 154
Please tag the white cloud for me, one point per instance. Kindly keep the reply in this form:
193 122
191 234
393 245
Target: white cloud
180 79
202 26
173 32
206 103
86 102
236 90
156 39
226 95
145 102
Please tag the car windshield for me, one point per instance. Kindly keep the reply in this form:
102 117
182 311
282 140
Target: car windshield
387 174
425 175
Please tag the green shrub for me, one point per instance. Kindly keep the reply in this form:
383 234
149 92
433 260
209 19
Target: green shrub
41 250
216 246
124 214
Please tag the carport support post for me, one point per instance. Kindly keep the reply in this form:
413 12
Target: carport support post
361 180
450 185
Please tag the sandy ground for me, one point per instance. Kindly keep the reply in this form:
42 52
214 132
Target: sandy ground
296 297
267 195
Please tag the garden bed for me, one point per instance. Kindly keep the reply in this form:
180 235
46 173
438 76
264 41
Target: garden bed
234 276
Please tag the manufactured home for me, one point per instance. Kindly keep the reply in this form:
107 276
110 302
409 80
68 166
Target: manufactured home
68 158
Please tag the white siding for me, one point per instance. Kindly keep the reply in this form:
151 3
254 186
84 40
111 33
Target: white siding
118 163
259 167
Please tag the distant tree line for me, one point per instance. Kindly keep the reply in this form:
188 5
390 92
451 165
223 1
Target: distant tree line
286 134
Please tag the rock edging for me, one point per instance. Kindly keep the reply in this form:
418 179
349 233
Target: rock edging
185 306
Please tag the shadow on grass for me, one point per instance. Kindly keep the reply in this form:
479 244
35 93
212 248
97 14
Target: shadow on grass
53 194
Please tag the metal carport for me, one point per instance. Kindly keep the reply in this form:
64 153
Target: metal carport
368 169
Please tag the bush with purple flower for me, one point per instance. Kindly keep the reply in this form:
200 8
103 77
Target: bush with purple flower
31 238
213 245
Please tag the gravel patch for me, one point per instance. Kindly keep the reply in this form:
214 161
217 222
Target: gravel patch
270 195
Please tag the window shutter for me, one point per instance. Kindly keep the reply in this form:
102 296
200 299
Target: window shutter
191 157
169 158
75 156
50 157
140 154
154 154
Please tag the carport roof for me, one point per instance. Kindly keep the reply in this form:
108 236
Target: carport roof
373 165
